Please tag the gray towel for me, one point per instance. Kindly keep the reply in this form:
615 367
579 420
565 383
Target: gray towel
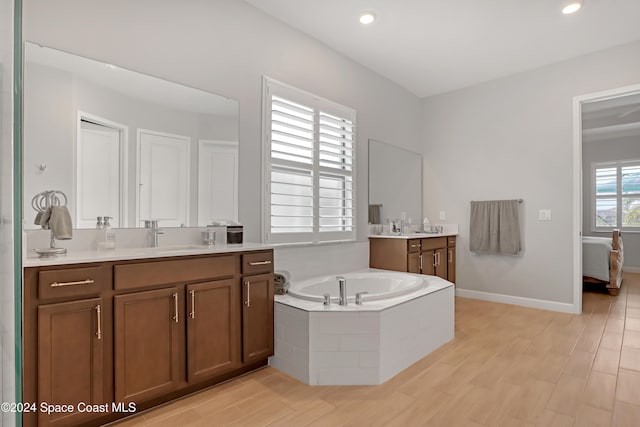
495 227
42 218
60 223
374 214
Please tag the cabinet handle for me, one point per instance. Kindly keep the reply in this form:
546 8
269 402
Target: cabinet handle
450 255
435 259
420 257
248 301
416 246
260 263
80 282
193 304
175 307
99 318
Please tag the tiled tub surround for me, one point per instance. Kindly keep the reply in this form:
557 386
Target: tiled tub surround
361 344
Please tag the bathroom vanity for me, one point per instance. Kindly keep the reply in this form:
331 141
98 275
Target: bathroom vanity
141 329
422 254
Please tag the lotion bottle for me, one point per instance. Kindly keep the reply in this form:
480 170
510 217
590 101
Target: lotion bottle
109 234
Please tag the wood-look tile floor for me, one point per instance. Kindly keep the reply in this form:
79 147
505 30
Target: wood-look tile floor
507 366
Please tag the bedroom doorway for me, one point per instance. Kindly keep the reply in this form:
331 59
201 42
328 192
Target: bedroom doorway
606 182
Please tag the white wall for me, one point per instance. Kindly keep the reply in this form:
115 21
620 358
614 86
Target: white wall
627 148
512 138
7 313
225 46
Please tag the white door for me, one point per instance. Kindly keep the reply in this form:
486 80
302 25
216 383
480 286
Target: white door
99 173
217 181
163 178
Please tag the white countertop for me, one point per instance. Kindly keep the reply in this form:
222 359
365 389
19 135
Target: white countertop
119 254
411 236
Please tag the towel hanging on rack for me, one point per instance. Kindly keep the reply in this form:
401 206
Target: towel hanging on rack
495 227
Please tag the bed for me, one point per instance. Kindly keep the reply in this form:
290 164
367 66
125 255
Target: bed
602 259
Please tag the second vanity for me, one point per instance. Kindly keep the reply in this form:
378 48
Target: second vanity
111 334
432 254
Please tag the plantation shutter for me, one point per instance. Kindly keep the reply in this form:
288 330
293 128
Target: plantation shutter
309 167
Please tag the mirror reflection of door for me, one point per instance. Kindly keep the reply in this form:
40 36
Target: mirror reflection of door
217 181
163 178
101 183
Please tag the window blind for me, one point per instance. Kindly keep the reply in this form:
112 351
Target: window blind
309 166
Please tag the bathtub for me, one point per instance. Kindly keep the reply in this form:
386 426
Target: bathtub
378 285
402 319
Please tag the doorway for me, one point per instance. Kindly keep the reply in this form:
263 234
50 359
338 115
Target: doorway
101 178
600 118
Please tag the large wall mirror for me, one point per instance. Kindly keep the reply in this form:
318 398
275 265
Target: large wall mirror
395 183
126 145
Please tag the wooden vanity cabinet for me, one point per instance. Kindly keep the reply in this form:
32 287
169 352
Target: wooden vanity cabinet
147 345
70 358
257 307
67 342
213 328
432 256
168 327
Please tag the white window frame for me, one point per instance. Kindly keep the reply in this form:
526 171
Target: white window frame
619 196
271 86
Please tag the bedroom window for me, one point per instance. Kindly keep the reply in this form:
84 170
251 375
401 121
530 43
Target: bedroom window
616 195
309 167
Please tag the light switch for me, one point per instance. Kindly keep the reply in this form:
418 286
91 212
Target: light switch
443 215
544 215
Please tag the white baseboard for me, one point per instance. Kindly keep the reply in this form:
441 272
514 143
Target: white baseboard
626 269
509 299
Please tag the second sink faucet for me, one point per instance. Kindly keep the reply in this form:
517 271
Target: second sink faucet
152 225
342 283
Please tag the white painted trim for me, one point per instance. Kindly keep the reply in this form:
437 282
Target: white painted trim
123 221
577 182
521 301
628 269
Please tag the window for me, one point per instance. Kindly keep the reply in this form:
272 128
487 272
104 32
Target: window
616 195
309 167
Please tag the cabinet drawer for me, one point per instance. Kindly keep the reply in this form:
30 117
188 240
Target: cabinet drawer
451 241
434 243
73 282
413 245
151 273
257 262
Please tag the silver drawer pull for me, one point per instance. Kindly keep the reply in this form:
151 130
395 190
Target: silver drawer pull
248 301
80 282
193 304
260 263
415 246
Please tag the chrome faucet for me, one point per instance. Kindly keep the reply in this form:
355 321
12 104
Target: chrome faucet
152 225
342 283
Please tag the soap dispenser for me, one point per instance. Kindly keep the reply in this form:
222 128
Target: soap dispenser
109 234
99 234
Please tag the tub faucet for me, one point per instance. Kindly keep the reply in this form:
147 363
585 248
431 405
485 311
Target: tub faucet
342 283
154 231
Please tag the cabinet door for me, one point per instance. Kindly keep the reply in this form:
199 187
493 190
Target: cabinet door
70 358
451 264
413 263
213 328
440 263
147 328
257 317
428 262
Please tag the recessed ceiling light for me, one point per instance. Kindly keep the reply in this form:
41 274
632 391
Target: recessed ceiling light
367 18
571 7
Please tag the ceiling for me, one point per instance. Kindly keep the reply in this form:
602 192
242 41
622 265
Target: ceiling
436 46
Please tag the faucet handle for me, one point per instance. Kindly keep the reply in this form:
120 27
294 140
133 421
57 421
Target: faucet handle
341 278
359 297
